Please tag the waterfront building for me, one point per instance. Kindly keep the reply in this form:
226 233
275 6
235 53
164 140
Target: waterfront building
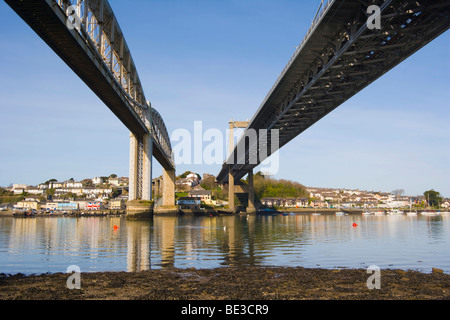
189 203
285 202
67 206
94 206
28 205
204 195
50 206
117 204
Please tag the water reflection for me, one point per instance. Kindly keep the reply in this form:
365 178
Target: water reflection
52 244
138 246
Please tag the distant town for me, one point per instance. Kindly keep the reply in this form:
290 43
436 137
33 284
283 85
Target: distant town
111 193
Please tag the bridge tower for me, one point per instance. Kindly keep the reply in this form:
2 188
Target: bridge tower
235 187
140 195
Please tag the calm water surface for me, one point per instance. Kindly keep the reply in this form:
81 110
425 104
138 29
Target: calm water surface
42 245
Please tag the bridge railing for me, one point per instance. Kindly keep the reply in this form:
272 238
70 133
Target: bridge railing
96 23
94 20
323 8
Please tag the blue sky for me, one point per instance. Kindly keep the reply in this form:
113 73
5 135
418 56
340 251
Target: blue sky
212 61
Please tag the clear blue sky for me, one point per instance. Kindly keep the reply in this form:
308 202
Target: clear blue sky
213 61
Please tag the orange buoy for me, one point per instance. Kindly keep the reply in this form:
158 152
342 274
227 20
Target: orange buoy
116 228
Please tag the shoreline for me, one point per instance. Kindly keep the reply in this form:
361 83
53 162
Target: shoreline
230 283
182 213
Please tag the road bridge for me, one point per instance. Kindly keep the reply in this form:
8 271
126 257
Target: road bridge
341 54
86 35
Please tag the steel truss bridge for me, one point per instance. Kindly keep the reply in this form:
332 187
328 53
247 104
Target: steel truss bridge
86 35
339 56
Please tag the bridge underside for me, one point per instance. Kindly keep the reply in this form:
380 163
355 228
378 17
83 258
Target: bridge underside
97 52
339 57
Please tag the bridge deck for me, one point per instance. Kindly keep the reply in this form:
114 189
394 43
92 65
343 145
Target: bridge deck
83 58
339 58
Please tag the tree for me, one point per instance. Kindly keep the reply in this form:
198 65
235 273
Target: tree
433 198
209 183
87 183
184 175
113 176
115 193
272 188
398 192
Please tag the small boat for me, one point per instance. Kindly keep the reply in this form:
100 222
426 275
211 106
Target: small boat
411 213
340 213
268 212
379 213
287 214
429 213
395 213
365 212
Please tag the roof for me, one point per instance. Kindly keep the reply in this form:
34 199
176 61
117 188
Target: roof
201 192
189 198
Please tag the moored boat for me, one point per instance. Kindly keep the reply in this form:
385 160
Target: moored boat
395 213
268 212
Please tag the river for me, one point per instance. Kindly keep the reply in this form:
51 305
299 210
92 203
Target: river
98 244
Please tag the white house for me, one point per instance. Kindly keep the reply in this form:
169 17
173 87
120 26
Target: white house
54 185
73 184
35 191
114 181
97 180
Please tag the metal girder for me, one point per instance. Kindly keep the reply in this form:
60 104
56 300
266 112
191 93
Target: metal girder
86 35
339 57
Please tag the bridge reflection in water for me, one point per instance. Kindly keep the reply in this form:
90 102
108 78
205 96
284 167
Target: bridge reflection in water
52 244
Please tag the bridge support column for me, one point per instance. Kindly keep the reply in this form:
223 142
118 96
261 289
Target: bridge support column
251 193
168 188
140 179
231 191
133 177
147 168
168 193
158 188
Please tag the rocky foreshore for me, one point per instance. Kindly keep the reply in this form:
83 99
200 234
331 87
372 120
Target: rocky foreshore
244 283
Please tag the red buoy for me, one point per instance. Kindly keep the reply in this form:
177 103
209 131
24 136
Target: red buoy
355 225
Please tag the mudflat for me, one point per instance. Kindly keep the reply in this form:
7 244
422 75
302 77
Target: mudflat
243 283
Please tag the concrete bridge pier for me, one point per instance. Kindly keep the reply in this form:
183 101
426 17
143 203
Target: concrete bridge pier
251 193
168 193
140 179
241 189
